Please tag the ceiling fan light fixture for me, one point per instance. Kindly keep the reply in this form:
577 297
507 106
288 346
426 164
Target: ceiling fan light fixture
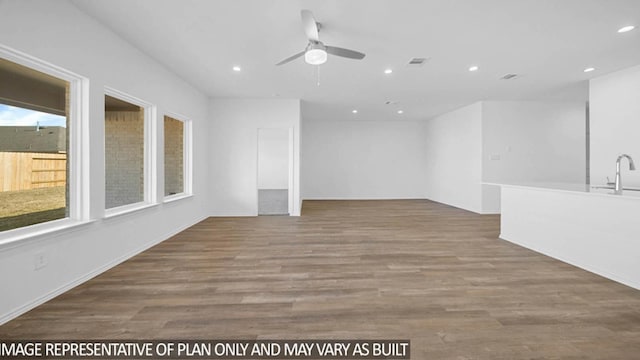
315 56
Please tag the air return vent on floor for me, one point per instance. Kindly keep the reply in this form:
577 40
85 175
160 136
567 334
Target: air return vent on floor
417 61
509 77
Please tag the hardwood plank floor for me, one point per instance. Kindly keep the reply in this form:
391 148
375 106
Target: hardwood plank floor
409 269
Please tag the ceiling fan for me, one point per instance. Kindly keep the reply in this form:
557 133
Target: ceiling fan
316 51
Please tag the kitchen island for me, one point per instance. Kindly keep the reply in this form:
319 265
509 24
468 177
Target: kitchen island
581 225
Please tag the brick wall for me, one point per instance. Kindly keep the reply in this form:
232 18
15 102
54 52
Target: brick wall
173 156
124 157
49 139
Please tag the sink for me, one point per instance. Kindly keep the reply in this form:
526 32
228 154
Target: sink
608 189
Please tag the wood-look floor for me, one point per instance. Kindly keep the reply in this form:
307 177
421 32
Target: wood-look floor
415 269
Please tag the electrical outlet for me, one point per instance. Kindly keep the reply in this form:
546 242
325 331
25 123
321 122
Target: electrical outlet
39 261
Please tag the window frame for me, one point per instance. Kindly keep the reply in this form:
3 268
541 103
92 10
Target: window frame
77 152
187 158
150 183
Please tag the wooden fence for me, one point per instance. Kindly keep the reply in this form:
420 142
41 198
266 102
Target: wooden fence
24 171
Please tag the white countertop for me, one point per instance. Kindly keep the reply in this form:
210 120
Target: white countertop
595 189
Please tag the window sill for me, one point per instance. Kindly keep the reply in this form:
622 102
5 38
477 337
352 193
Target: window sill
127 209
176 197
17 237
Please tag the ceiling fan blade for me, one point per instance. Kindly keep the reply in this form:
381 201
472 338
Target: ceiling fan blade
290 58
351 54
309 25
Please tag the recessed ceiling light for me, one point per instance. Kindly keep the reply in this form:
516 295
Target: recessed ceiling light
388 71
354 111
626 29
473 68
400 111
589 69
236 68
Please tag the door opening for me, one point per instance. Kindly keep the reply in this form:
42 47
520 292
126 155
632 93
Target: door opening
274 173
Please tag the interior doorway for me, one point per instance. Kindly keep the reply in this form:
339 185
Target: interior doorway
274 171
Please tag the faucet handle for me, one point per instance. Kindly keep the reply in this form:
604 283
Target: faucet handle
609 182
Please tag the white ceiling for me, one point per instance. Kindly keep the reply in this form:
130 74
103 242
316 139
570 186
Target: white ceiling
548 42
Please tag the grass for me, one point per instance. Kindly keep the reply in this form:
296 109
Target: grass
28 207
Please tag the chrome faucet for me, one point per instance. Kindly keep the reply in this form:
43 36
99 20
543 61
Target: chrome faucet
618 185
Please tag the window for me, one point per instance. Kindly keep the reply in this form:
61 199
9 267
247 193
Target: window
41 125
176 157
128 140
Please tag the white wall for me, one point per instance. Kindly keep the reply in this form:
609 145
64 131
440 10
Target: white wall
57 32
533 141
273 158
362 159
502 142
453 153
614 102
233 151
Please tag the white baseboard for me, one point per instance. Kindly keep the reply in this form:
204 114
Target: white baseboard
232 214
357 198
476 211
4 318
490 212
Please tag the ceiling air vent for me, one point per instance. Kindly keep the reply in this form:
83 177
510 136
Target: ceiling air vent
417 61
509 77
